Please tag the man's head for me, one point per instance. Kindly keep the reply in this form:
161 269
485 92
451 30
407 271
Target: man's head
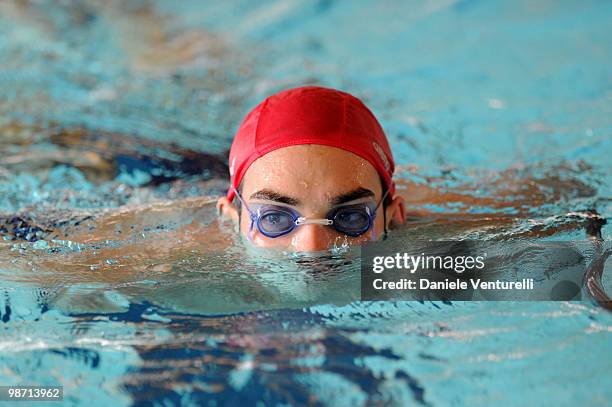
320 154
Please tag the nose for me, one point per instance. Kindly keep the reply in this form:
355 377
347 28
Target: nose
311 238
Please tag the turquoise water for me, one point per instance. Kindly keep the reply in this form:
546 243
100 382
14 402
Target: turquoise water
118 282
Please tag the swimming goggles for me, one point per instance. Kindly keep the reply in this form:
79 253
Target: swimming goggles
276 221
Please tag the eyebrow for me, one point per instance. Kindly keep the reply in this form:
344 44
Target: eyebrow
352 195
270 195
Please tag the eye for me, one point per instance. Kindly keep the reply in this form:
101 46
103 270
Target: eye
276 221
352 219
351 216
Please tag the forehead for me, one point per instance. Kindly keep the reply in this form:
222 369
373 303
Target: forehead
311 172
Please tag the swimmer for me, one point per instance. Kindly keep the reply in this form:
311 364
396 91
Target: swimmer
311 168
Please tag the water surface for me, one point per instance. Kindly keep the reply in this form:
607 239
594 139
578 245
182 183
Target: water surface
118 281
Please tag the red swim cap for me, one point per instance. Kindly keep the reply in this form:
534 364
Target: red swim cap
310 115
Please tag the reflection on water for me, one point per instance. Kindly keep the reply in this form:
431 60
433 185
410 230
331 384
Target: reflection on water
118 281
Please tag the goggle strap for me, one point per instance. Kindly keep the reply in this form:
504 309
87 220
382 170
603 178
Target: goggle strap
241 200
384 234
383 198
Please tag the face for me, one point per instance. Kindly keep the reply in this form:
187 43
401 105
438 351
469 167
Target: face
312 181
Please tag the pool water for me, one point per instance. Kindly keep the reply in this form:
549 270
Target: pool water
119 282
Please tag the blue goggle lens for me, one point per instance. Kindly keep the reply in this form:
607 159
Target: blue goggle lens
352 221
276 222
